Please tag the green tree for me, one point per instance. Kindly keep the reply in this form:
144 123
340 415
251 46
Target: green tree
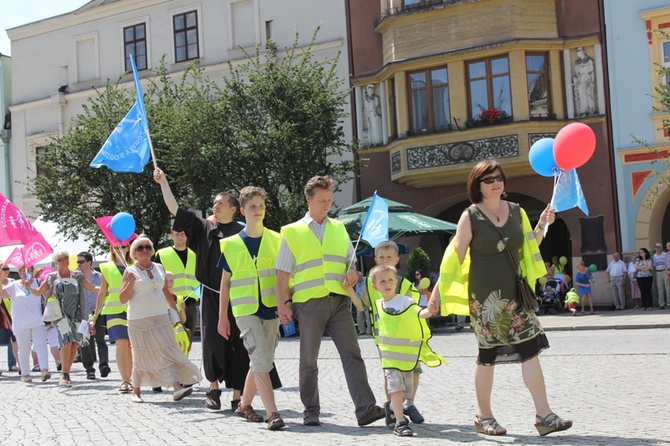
276 122
285 115
418 259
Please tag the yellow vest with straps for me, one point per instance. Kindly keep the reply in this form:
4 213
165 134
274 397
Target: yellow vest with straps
403 340
181 337
375 295
320 267
246 275
184 277
113 277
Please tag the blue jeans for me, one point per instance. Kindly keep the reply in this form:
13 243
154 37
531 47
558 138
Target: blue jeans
5 338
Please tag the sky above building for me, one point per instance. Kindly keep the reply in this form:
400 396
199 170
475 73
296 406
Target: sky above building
20 12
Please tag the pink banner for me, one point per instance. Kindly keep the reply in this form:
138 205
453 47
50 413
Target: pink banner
35 250
103 224
15 228
15 258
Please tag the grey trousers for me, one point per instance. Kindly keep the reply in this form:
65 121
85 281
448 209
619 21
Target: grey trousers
331 314
619 293
662 288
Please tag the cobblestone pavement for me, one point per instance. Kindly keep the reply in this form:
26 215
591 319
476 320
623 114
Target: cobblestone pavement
612 383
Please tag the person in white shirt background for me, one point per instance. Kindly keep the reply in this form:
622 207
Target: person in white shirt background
616 276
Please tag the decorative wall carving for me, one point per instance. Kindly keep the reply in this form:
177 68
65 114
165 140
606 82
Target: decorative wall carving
533 137
396 163
462 152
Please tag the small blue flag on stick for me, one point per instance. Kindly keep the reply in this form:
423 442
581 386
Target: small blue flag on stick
128 148
568 193
376 225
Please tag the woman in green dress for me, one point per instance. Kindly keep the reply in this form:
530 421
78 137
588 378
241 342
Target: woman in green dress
505 331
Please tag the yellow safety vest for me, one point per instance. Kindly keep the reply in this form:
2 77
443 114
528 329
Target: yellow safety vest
247 275
181 337
375 295
113 278
403 340
320 267
572 297
454 296
184 277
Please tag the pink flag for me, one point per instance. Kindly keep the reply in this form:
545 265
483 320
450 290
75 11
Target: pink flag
15 228
43 273
35 250
15 258
103 223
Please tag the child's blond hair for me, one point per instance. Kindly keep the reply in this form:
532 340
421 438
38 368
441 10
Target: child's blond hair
380 269
388 244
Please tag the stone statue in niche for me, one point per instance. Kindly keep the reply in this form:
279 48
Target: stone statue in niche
584 84
373 116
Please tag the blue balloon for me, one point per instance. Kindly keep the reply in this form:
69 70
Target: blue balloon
541 157
122 225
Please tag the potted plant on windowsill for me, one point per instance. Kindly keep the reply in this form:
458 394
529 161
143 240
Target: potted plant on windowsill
492 116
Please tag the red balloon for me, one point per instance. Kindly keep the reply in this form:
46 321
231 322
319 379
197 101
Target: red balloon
574 145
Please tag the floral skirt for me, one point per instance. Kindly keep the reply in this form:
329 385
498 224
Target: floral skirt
157 358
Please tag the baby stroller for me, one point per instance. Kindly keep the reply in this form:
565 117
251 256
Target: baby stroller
553 297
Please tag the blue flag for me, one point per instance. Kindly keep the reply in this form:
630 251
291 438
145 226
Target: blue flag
376 225
568 193
127 148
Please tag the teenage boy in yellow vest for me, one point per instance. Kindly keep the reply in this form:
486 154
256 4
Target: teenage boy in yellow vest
249 285
180 261
386 253
403 336
222 360
316 250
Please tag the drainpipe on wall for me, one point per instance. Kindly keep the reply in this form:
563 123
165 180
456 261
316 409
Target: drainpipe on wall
608 120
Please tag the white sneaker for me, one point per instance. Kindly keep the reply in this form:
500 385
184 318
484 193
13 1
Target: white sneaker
181 393
26 379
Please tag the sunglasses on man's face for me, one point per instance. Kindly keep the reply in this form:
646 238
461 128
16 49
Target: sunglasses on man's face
81 262
491 180
143 247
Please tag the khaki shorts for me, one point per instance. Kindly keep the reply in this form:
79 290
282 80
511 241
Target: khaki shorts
260 338
397 381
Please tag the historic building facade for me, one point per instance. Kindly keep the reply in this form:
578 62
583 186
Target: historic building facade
638 44
442 84
57 62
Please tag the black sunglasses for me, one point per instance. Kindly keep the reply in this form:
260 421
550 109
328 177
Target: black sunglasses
81 262
143 247
491 180
4 268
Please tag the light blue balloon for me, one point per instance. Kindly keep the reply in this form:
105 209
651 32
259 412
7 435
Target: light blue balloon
541 157
122 225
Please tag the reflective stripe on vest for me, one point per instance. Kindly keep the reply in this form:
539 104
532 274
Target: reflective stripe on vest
375 295
184 277
320 267
113 278
248 275
403 340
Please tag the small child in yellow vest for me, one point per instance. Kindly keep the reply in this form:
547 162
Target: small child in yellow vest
571 300
402 341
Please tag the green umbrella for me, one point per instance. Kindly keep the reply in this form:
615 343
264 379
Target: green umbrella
402 222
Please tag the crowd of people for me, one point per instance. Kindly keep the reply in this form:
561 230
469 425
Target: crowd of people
254 279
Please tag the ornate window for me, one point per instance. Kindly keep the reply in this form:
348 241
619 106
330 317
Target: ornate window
665 59
489 86
135 43
537 75
39 164
186 36
429 100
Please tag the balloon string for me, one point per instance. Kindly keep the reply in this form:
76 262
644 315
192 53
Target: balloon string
557 176
119 255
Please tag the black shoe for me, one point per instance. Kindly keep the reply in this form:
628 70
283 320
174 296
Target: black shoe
234 404
105 370
311 419
459 327
402 429
376 413
158 389
213 399
389 416
90 375
59 366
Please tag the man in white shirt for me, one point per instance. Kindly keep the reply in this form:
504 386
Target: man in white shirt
660 276
616 275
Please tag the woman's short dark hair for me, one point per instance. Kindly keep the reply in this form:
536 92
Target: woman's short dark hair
478 172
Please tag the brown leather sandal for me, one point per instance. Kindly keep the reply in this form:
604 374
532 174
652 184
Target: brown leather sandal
249 413
488 426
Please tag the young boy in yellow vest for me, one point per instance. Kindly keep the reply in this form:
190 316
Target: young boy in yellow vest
248 284
403 336
386 253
